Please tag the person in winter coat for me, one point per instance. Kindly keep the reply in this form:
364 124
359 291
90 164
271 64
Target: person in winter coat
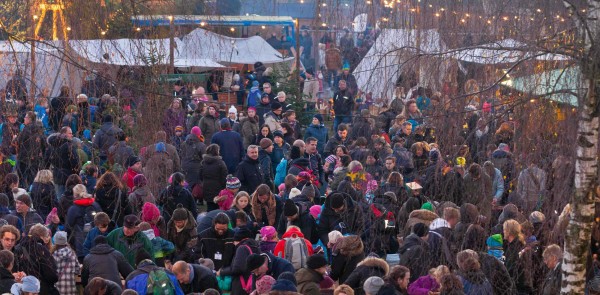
119 153
227 196
531 185
515 262
309 278
134 167
249 171
340 213
343 104
192 150
140 194
161 248
414 252
362 126
63 157
396 282
470 274
168 156
266 207
232 142
33 258
106 137
318 130
429 283
158 168
440 238
43 195
296 213
129 240
102 227
25 213
281 149
66 263
292 232
7 260
264 157
31 146
194 278
348 252
552 258
181 230
268 239
369 267
217 242
468 215
173 116
340 138
273 118
478 189
249 127
111 197
238 270
80 217
496 273
209 124
213 173
176 194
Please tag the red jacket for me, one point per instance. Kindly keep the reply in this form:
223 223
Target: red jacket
128 178
280 247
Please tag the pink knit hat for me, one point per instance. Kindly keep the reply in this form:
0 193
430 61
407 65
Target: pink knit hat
196 131
149 212
264 284
267 233
314 211
281 188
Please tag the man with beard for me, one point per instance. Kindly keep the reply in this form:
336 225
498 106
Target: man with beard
216 243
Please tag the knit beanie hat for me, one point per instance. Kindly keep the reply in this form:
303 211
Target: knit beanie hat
337 200
494 241
275 105
196 131
284 285
264 284
255 261
233 182
316 261
373 284
294 192
315 210
420 229
241 234
319 117
427 206
178 128
60 238
232 109
286 275
267 233
265 143
25 198
140 180
161 147
30 284
277 133
536 217
290 208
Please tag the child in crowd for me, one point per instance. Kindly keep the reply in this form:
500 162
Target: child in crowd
102 226
89 177
226 196
66 264
268 239
494 244
178 138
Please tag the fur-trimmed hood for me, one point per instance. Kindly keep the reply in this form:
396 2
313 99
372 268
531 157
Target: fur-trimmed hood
375 262
423 216
350 246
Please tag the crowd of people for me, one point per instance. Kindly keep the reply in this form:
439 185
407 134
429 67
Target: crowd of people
258 204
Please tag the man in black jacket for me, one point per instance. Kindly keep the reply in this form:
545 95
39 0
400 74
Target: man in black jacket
341 213
297 214
194 278
216 243
552 258
105 262
249 172
343 104
31 144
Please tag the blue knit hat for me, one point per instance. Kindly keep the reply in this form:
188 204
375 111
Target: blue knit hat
494 241
161 147
319 117
284 285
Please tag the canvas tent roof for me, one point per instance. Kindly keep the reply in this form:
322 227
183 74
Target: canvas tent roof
222 49
131 52
559 85
503 51
380 68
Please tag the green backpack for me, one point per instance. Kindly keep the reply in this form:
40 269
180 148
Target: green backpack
159 283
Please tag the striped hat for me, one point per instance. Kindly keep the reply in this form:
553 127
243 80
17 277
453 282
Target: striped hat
233 182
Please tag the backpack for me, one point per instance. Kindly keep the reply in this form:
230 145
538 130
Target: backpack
296 252
159 283
88 218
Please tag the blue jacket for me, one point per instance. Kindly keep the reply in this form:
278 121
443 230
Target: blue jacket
232 143
138 279
320 132
278 265
89 239
497 184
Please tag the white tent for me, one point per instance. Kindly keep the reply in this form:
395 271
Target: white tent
380 68
124 52
51 70
501 52
200 44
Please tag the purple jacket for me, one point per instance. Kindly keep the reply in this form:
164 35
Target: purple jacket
423 285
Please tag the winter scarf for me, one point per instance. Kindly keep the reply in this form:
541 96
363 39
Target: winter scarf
270 208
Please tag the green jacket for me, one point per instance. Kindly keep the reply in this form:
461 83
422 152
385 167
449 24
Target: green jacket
129 246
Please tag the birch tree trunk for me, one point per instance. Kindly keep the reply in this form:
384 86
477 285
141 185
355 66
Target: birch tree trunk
578 235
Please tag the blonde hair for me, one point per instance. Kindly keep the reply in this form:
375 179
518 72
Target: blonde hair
353 165
512 227
281 93
440 271
343 289
239 195
44 176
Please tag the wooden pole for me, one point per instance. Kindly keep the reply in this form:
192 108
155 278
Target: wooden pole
297 37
